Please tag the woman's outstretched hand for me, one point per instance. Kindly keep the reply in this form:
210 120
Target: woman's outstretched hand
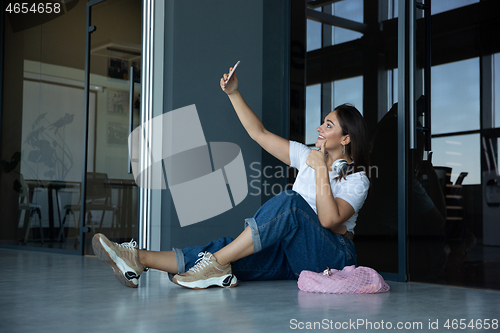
232 85
317 158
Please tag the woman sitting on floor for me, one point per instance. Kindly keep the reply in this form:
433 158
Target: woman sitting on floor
307 228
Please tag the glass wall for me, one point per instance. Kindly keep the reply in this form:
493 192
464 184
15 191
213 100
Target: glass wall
351 10
43 127
496 90
115 70
452 236
348 91
313 112
455 99
439 6
314 34
42 136
453 172
336 74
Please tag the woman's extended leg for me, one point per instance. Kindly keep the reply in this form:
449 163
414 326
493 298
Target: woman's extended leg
161 260
285 237
128 262
241 247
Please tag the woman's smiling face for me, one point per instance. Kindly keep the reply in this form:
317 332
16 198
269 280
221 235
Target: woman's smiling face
330 131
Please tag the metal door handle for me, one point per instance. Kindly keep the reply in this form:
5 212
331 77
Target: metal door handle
130 114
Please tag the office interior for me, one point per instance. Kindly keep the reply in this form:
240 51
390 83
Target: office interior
432 108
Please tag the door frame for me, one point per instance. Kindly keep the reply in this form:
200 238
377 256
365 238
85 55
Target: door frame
152 54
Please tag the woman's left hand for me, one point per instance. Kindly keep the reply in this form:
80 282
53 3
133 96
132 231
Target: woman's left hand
317 158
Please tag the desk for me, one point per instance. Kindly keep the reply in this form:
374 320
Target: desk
51 186
126 202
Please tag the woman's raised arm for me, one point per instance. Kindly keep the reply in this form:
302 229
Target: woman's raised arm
272 143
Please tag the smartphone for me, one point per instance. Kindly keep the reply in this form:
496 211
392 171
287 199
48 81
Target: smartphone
231 73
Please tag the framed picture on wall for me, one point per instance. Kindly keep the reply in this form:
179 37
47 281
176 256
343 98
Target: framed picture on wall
118 102
137 70
117 133
118 69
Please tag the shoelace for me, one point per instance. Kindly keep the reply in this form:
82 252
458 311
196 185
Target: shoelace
201 262
130 245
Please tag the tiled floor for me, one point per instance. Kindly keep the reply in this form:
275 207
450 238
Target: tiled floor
46 292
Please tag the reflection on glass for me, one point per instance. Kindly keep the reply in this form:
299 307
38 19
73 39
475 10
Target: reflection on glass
43 116
496 64
439 6
455 96
393 86
52 133
115 60
377 225
489 252
393 9
443 234
42 163
348 91
351 10
427 218
314 33
461 153
313 112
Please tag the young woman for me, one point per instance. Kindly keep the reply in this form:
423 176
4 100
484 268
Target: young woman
307 228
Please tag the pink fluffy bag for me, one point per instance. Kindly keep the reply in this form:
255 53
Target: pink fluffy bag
350 280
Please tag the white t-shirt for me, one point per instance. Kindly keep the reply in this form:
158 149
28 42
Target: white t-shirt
353 189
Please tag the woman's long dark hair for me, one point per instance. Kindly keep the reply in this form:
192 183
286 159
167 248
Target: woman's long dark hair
352 122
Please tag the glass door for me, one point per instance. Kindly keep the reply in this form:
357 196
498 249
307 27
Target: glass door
41 116
114 68
433 208
453 229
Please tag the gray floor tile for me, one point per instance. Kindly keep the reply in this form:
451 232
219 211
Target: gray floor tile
46 292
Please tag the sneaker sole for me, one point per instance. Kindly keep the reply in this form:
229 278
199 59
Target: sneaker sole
109 257
226 281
